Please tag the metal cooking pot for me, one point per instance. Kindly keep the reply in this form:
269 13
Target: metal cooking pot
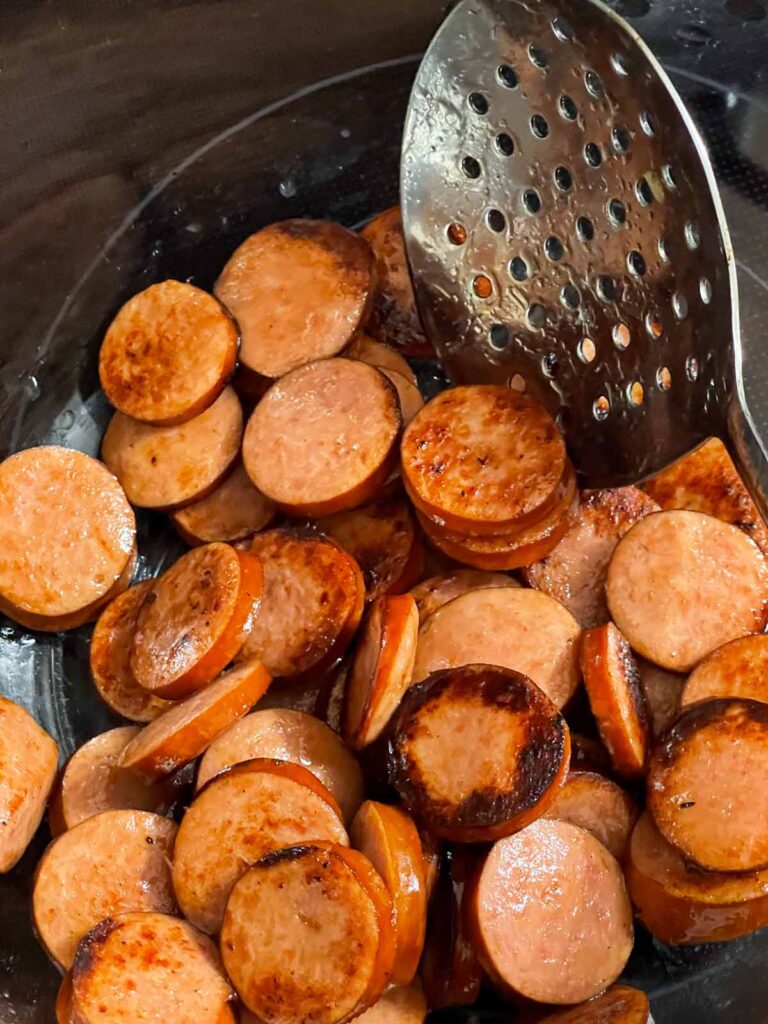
144 139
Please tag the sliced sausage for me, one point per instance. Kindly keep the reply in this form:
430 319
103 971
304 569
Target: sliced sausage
514 628
507 551
619 1005
436 591
450 971
168 354
290 926
112 863
383 540
388 837
737 669
409 396
478 752
706 784
612 681
93 782
549 914
313 600
681 584
245 812
588 755
394 318
28 761
187 729
63 1007
382 668
299 290
110 656
483 459
324 438
289 736
400 1004
330 702
235 510
136 966
166 467
600 806
574 573
680 904
662 691
376 353
432 850
706 480
195 619
67 534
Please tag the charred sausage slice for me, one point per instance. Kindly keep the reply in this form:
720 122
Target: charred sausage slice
737 669
436 591
324 438
168 354
681 584
478 752
245 812
195 619
187 729
114 862
706 784
619 1005
299 290
299 908
612 681
382 668
408 394
67 535
167 467
550 916
289 736
235 510
600 806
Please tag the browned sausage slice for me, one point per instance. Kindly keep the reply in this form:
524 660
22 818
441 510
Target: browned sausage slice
394 318
63 1008
134 967
235 510
512 550
680 904
706 480
382 668
436 591
187 729
450 971
383 540
249 810
400 1004
324 438
387 836
514 628
483 460
289 736
550 916
588 755
313 599
600 806
67 534
662 691
195 619
706 784
409 396
299 290
478 752
110 654
574 572
681 584
737 669
432 849
114 862
168 354
166 467
612 681
376 353
619 1005
290 925
93 782
28 761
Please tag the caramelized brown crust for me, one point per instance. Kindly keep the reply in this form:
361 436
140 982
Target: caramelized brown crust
436 591
619 1005
706 784
737 669
235 510
612 680
377 353
478 752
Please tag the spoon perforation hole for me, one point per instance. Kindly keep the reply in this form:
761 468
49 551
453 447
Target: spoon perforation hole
499 337
505 144
647 124
644 192
471 167
620 139
664 378
536 316
507 76
517 382
496 220
537 56
553 247
482 286
594 84
561 29
668 177
563 179
636 263
586 350
585 229
653 325
568 108
680 305
705 290
457 233
635 393
692 236
550 365
570 297
621 336
606 288
592 154
539 126
531 201
692 368
617 212
619 64
518 268
601 407
665 254
478 102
